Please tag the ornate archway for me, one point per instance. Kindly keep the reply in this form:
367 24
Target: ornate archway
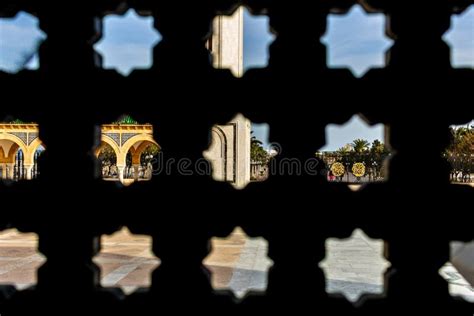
127 138
229 152
15 138
217 153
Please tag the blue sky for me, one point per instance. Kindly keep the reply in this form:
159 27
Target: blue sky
257 38
130 37
339 135
262 133
355 41
19 40
127 42
461 36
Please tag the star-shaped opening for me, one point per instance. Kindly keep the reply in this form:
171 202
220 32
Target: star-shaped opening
20 150
459 272
355 153
461 39
127 151
239 152
126 261
355 266
356 40
239 264
240 42
20 259
20 40
127 42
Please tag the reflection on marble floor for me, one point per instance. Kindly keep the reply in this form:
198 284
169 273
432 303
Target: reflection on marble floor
238 264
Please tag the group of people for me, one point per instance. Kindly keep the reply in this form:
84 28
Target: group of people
110 170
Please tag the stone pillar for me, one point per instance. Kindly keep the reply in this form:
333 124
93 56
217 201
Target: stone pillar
28 171
136 170
121 165
11 170
242 150
227 42
121 169
229 153
216 153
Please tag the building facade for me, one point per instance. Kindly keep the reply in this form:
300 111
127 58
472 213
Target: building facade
229 152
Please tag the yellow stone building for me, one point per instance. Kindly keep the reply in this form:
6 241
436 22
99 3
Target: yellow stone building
125 138
19 144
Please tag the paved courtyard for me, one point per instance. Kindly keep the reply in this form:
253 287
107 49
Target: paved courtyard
238 263
355 266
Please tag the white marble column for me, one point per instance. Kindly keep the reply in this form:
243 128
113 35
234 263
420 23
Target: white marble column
227 42
121 169
28 171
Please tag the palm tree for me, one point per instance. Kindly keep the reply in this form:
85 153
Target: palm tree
360 145
257 152
461 151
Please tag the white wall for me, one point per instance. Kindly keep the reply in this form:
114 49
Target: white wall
228 42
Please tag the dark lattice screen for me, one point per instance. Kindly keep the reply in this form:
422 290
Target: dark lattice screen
418 95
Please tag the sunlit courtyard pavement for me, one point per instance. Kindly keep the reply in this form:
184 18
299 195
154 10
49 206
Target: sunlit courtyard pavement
238 264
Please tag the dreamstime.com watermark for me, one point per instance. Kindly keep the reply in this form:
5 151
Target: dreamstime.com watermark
160 164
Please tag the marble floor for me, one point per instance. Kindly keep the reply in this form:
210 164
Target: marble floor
237 263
